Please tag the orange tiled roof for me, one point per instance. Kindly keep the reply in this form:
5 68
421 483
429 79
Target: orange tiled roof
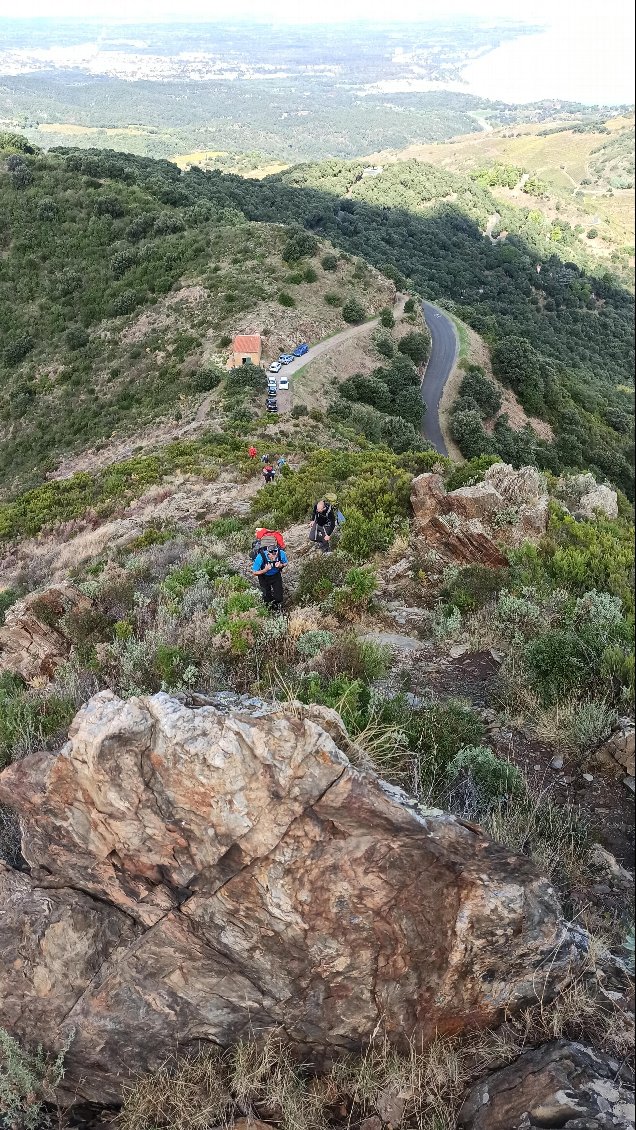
247 343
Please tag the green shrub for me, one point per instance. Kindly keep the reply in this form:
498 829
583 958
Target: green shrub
224 527
313 643
474 586
28 1081
29 719
362 537
173 666
299 410
356 594
8 597
76 337
436 734
310 275
318 577
151 536
286 299
353 311
556 663
329 262
385 345
358 659
475 384
386 318
350 697
410 306
471 472
206 378
333 299
416 346
299 245
493 776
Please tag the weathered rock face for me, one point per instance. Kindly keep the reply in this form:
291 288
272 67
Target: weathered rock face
32 640
471 525
452 525
585 498
560 1084
200 873
617 753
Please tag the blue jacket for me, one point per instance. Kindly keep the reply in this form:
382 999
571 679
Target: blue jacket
261 560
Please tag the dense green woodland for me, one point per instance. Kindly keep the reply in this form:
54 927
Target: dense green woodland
88 235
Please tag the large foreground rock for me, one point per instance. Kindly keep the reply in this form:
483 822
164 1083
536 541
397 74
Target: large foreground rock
202 873
561 1085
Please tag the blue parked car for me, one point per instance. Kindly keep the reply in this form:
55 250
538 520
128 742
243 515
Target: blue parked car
301 349
285 358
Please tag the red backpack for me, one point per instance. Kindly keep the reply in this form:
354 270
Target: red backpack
269 534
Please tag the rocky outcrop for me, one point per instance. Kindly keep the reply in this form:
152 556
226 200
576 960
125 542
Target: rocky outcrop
475 524
33 641
198 873
560 1084
617 753
585 498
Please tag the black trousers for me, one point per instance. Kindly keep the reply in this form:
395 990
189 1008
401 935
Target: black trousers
272 590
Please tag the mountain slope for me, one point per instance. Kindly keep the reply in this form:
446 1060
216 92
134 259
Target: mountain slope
118 300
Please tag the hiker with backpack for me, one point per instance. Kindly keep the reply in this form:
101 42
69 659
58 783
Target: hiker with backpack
268 562
323 524
268 473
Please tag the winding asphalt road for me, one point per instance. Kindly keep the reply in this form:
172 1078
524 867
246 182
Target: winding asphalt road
444 347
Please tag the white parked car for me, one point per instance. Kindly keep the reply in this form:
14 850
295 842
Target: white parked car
283 384
275 367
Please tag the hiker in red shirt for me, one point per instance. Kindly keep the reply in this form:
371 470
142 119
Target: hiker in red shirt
252 452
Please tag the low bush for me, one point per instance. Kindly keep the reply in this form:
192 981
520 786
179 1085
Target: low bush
313 643
415 345
333 299
358 659
484 392
386 318
353 311
363 537
318 577
28 1082
30 719
487 776
470 472
473 587
329 262
356 593
436 734
285 299
8 598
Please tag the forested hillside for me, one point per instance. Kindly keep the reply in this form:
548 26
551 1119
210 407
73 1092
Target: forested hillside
562 331
121 286
561 334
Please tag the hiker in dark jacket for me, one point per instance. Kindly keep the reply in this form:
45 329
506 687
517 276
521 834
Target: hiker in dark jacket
268 568
322 525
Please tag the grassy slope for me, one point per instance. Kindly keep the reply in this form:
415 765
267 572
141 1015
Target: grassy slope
562 161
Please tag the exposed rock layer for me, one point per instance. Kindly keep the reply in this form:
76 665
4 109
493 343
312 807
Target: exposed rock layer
33 641
200 873
561 1084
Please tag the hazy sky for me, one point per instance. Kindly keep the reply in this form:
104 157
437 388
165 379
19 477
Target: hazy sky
586 54
327 10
